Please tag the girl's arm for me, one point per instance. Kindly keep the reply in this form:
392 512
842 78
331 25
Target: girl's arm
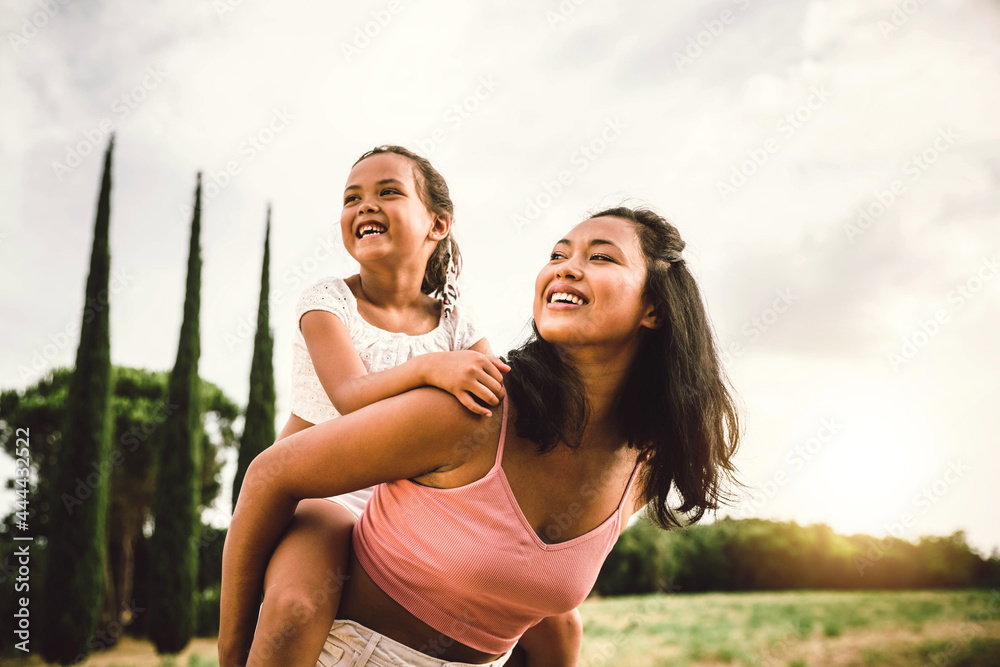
468 375
399 438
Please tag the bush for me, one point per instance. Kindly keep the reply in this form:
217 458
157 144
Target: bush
208 612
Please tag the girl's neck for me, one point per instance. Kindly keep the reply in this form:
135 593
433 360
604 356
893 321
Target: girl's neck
391 290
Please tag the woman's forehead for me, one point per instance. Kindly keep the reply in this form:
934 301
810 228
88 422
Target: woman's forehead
619 231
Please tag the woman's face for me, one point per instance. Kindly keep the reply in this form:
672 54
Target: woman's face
591 291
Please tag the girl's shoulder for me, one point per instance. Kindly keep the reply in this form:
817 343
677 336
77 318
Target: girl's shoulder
462 327
330 294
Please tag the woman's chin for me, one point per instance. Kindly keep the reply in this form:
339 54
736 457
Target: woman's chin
560 333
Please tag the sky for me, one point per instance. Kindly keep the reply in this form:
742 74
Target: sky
832 165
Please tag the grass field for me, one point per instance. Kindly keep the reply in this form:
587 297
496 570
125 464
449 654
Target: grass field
795 628
791 629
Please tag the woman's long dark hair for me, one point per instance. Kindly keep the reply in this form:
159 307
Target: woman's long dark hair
433 192
676 405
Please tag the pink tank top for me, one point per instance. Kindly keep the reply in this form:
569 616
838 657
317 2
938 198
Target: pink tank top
466 562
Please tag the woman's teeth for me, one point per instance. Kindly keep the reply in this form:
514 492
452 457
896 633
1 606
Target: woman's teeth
565 297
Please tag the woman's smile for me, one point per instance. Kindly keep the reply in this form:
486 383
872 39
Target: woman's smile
597 270
565 297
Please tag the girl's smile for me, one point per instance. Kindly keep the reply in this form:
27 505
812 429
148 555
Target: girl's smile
384 214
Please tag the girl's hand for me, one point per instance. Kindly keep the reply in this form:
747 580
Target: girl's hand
473 377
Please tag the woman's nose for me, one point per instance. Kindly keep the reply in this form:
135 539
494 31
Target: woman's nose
568 270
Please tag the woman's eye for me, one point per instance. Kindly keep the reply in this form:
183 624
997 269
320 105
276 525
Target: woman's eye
391 191
555 255
603 258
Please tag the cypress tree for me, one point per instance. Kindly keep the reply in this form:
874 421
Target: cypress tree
173 550
74 589
258 429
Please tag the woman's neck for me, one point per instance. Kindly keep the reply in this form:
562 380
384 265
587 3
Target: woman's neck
603 373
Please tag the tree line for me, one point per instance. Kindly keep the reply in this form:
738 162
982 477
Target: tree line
121 464
759 555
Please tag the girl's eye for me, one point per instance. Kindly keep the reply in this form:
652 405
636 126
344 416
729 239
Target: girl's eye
391 191
603 258
555 255
349 198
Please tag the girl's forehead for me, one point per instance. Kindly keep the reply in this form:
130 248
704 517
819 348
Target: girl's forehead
381 166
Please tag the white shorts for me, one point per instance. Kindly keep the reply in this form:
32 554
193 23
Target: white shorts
354 501
351 644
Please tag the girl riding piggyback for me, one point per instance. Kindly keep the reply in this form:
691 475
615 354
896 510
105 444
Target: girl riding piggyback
393 327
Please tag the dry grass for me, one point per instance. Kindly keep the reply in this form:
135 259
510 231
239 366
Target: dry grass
790 629
954 628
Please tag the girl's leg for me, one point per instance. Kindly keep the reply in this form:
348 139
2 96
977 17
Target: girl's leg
302 585
553 642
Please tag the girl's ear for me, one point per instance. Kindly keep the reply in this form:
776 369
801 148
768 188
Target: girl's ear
440 227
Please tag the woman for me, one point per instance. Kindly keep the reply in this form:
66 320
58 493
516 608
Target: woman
490 524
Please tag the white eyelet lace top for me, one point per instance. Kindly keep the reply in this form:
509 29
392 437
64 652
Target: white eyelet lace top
379 349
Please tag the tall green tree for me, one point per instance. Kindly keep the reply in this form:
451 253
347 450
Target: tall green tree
138 406
258 430
73 591
174 544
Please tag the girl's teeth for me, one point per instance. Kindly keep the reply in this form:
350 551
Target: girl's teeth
369 230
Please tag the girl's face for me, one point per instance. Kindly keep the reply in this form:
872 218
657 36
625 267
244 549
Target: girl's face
383 215
591 291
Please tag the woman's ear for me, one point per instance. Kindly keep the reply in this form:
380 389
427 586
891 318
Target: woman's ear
653 319
440 227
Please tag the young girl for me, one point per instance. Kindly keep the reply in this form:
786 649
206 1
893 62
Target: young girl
366 338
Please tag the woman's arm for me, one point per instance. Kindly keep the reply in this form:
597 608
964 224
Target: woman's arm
398 438
466 374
